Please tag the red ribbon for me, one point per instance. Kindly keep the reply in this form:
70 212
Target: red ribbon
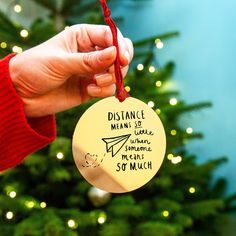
121 94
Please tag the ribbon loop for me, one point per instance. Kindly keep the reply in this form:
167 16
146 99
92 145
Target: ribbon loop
106 10
122 94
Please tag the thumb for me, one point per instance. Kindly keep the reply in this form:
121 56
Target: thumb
92 62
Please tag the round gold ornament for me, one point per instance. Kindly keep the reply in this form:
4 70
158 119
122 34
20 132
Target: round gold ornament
119 146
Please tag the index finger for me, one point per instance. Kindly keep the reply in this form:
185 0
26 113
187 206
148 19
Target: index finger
89 36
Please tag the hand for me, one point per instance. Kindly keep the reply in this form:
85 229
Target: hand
68 69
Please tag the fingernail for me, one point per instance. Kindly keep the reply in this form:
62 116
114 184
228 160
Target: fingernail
127 56
103 79
107 54
93 89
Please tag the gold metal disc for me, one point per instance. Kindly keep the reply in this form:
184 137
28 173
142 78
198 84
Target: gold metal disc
119 146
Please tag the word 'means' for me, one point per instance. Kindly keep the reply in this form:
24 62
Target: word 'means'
126 115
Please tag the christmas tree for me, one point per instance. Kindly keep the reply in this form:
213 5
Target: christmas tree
47 196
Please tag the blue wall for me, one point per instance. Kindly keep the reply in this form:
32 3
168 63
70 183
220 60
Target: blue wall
205 56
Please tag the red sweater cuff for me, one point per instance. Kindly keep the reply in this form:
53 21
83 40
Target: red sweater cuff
19 135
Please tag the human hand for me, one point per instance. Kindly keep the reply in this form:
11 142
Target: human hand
68 69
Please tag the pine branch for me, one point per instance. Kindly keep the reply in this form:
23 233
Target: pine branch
168 94
204 208
230 203
8 30
194 136
186 108
216 162
219 188
143 54
166 72
49 4
80 9
68 4
152 39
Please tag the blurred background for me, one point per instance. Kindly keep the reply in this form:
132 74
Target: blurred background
184 55
204 57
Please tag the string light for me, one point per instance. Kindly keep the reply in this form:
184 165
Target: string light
3 45
30 204
176 160
158 111
159 44
60 155
158 83
102 218
24 33
192 190
165 213
189 130
17 49
12 194
72 224
151 104
152 69
140 67
9 215
173 101
170 156
127 88
173 132
43 205
17 8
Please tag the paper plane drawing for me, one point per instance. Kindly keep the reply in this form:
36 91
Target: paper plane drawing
115 144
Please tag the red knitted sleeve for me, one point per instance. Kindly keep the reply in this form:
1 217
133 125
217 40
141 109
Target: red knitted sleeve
19 135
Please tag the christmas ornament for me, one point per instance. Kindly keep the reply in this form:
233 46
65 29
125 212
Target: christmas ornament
98 197
119 143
